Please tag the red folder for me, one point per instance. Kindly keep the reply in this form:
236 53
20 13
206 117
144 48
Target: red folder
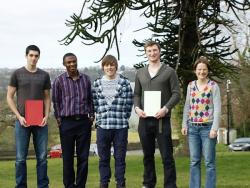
34 112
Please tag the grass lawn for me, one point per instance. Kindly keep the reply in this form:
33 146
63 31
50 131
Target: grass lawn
133 137
233 171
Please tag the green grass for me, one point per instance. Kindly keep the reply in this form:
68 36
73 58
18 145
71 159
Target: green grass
232 171
133 137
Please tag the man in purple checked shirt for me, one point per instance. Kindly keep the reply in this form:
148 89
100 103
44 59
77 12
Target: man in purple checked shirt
73 106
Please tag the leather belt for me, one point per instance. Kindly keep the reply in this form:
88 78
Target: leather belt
200 124
76 117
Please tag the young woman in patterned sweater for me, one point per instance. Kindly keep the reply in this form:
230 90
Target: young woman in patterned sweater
201 116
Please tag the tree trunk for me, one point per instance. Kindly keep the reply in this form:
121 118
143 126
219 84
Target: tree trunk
188 38
188 50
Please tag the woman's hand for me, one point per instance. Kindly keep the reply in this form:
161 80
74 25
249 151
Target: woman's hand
184 131
213 133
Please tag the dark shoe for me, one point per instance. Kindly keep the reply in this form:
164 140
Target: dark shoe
104 186
121 186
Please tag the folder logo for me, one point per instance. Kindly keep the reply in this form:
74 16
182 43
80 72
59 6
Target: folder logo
34 112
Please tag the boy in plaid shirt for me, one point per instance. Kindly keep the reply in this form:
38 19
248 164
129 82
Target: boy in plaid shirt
113 101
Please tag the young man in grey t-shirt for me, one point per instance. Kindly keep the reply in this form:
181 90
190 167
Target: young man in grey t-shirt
30 83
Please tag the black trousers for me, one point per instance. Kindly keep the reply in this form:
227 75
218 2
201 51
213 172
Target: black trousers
75 134
149 132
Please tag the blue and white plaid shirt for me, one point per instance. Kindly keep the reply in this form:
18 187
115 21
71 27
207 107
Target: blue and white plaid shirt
116 115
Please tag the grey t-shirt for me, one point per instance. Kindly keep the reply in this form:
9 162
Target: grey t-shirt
29 85
109 88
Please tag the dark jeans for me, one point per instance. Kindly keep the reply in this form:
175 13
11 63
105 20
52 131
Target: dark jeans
75 134
119 138
149 132
40 141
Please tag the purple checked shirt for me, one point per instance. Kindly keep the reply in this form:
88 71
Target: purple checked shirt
72 97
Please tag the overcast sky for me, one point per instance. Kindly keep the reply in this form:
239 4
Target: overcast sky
42 22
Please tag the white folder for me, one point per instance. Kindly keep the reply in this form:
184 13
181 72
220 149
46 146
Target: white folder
152 102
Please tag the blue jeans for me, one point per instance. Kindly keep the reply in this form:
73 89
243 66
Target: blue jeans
40 141
119 138
199 142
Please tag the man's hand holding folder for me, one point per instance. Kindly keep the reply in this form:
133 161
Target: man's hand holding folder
34 113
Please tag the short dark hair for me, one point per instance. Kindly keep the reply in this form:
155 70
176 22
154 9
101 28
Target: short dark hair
67 55
32 47
201 59
152 43
109 60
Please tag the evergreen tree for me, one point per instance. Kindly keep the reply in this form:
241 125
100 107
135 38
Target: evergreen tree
185 29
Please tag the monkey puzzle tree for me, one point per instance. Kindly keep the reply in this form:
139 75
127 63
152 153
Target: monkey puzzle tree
185 29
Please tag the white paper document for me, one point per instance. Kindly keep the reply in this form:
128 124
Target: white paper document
152 102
